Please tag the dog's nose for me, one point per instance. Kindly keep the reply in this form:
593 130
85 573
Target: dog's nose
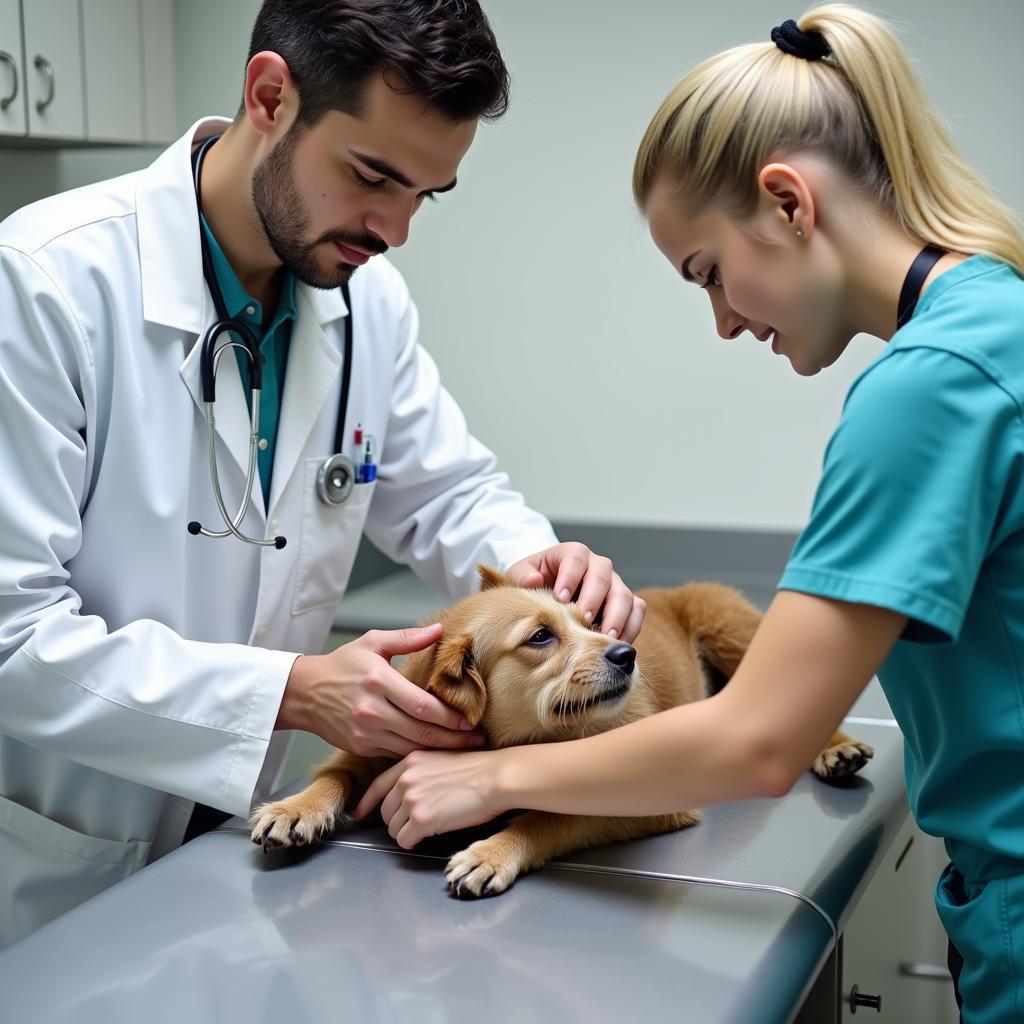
622 656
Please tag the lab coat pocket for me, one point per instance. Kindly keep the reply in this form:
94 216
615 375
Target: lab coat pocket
328 544
48 868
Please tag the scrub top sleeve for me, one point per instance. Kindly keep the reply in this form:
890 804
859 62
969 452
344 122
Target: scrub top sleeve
913 490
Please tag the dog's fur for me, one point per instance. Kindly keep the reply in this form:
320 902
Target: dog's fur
527 668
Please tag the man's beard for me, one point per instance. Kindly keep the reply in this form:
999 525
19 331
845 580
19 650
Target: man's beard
285 222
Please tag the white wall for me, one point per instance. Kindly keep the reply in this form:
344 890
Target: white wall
575 351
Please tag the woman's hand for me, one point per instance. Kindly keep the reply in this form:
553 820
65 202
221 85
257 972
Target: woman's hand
430 792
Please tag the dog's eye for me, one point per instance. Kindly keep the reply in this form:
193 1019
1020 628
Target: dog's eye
541 637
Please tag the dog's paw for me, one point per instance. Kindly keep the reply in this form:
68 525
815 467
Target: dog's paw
842 760
292 822
486 868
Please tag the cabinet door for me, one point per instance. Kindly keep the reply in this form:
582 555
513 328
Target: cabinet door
13 119
894 945
111 46
161 118
53 65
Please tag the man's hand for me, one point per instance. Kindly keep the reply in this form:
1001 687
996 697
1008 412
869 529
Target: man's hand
573 570
355 700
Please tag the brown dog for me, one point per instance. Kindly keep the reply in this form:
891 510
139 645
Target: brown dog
527 668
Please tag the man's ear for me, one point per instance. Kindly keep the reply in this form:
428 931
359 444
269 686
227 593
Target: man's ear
270 95
455 677
490 577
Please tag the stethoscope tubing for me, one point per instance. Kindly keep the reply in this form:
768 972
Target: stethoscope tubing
337 474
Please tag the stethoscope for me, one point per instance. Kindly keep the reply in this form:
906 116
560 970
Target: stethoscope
336 476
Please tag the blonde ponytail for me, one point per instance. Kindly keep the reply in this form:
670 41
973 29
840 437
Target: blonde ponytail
862 106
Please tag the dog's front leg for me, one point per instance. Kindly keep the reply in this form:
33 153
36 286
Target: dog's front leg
315 812
491 865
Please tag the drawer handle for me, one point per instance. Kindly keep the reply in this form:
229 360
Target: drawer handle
6 58
933 971
47 69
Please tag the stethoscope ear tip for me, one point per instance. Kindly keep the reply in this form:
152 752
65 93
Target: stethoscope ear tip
279 542
194 528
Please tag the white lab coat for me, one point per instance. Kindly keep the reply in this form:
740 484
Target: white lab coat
141 668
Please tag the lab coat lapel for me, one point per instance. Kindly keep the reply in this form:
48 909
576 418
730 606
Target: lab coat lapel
170 262
231 416
174 294
313 374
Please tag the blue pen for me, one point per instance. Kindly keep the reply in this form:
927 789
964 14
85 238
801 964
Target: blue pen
368 470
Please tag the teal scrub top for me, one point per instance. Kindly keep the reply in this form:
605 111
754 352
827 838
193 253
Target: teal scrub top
920 509
274 345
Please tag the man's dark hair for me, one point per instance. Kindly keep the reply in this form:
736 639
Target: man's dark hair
441 50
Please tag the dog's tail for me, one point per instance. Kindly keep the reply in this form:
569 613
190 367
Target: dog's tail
721 621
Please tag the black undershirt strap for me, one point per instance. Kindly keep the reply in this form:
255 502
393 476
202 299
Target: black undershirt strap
911 290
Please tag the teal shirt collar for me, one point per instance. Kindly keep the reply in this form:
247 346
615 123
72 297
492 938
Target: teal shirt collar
237 301
973 266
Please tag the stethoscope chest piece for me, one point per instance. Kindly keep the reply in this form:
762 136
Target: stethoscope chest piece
335 479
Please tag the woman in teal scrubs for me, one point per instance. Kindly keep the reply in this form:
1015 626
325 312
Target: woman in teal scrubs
807 185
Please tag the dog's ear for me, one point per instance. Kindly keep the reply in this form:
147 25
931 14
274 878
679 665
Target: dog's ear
455 678
490 577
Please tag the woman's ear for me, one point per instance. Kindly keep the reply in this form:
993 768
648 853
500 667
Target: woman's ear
785 198
455 677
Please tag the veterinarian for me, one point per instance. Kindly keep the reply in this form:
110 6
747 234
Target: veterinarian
806 184
149 673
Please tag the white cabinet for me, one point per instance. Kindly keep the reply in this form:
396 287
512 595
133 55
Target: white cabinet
13 117
894 945
160 119
112 51
53 66
87 70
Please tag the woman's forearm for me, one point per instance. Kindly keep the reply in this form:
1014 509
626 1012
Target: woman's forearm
806 665
690 756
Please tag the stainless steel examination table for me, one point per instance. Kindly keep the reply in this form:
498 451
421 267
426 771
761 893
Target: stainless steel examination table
735 920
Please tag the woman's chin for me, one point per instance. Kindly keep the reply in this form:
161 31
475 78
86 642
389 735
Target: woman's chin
803 366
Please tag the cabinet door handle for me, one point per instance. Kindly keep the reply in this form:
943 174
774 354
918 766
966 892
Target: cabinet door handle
910 970
47 69
858 998
6 58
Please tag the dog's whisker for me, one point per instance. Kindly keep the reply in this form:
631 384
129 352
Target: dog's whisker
562 694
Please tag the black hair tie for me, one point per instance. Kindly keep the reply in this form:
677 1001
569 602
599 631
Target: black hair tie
808 45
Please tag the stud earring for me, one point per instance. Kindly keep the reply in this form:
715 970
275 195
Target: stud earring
799 232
